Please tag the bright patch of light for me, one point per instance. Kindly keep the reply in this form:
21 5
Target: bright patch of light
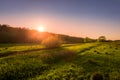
41 28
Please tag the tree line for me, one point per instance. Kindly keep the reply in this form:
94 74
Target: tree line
17 35
10 34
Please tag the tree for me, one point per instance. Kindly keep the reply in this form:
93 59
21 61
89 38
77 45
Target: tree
102 39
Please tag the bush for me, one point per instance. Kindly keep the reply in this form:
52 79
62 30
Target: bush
52 42
97 76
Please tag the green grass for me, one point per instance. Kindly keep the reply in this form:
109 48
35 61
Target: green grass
18 47
69 62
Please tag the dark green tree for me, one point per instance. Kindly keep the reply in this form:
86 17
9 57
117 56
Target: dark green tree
101 39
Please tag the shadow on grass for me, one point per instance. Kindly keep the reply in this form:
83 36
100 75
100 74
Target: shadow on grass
58 54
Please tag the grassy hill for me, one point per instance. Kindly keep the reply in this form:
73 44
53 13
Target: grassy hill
81 61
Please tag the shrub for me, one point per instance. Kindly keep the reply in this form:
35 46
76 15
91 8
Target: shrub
97 76
52 42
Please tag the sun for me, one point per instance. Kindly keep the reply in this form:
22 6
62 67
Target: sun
41 28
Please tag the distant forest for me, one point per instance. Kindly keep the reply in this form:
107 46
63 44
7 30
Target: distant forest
10 34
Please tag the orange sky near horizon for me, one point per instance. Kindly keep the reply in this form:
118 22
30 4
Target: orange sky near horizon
68 26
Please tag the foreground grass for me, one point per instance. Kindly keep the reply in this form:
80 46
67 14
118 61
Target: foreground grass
70 62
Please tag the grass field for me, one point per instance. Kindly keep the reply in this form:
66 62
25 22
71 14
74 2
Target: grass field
87 61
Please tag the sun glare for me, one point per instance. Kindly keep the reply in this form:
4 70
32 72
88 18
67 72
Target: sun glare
41 29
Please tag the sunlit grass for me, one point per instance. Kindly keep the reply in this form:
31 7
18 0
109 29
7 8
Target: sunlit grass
70 61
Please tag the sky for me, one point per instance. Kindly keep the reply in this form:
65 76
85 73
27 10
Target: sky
80 18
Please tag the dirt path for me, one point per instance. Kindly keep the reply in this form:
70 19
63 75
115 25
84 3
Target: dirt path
87 49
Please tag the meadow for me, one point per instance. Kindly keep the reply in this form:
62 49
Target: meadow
81 61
